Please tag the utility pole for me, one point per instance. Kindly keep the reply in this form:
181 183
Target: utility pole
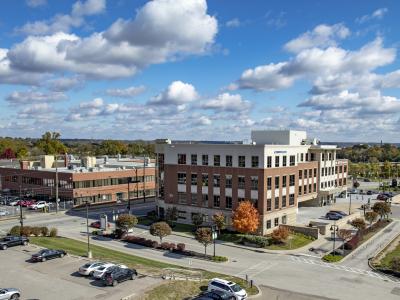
350 205
55 156
129 198
89 253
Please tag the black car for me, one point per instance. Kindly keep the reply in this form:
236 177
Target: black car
215 295
10 241
117 275
333 216
46 254
369 193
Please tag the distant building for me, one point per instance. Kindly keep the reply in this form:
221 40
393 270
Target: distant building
88 179
277 171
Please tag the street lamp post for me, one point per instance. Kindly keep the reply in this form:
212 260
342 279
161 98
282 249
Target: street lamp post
334 230
21 219
350 205
144 178
89 253
55 159
214 235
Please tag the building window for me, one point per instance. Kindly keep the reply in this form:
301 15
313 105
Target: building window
269 183
284 180
228 160
204 179
276 161
194 199
269 204
181 178
254 202
310 188
193 159
284 201
312 156
193 179
204 198
340 169
336 169
228 202
268 224
291 180
305 189
345 168
254 162
315 172
330 156
241 182
276 202
217 180
182 198
217 160
305 174
254 183
291 199
323 157
269 161
302 156
315 187
300 174
300 190
240 199
323 172
284 159
292 160
217 200
307 157
181 159
228 181
242 161
276 222
181 214
204 159
277 182
284 219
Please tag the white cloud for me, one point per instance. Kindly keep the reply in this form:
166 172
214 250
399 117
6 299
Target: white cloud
63 84
36 3
64 23
233 23
129 92
376 15
32 96
321 36
202 120
95 103
177 93
227 102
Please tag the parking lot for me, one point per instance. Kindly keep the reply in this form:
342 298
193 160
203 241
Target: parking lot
59 279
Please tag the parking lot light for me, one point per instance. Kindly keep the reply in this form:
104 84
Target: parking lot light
334 229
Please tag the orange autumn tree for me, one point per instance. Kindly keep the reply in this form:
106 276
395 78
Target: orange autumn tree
245 218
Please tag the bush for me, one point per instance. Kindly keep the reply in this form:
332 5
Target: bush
16 230
332 258
172 246
26 230
44 230
36 231
53 232
180 247
154 244
219 258
395 264
352 243
280 234
255 239
165 246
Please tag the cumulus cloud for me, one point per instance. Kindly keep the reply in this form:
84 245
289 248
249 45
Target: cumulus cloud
63 84
36 3
177 93
321 36
233 23
227 102
376 15
63 23
33 96
129 92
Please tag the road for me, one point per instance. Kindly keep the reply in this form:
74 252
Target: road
296 275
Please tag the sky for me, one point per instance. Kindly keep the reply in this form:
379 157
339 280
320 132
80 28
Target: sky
201 70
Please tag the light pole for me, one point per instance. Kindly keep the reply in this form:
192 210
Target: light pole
21 219
89 253
144 178
55 159
334 230
214 235
350 205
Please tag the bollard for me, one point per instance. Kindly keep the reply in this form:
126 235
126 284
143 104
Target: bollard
251 283
247 278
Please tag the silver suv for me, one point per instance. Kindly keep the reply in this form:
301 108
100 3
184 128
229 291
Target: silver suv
10 293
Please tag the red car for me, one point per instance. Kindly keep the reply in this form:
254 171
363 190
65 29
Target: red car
26 203
97 224
382 197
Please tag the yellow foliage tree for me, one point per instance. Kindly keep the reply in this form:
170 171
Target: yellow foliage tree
245 218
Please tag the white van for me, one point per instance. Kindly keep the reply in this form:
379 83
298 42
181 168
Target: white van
229 287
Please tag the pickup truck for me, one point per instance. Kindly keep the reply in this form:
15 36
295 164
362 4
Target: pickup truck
10 241
38 205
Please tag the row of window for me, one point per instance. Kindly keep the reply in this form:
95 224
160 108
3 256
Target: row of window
111 181
304 191
183 199
276 222
216 180
278 204
307 173
277 181
333 183
327 156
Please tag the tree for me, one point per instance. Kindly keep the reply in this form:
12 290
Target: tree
126 222
204 237
197 220
7 154
219 221
50 143
245 218
356 184
280 234
395 264
371 217
358 223
382 209
345 235
110 147
160 229
171 215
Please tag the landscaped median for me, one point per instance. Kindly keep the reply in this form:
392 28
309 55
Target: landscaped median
388 260
169 290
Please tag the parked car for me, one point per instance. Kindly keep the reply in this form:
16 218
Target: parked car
342 213
229 287
97 224
117 274
39 205
367 180
10 241
89 268
4 213
333 216
9 293
382 197
369 192
353 191
14 202
215 295
101 271
47 254
26 203
388 194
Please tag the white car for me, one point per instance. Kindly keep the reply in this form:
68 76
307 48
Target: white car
4 213
39 205
89 268
229 287
98 274
9 293
14 203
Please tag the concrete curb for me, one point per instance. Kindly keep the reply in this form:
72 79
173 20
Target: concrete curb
257 295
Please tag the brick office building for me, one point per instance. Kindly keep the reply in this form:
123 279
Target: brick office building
80 181
277 171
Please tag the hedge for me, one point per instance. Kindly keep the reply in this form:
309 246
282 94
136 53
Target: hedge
35 230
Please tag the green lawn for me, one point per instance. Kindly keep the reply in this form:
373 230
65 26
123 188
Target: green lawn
168 291
184 228
145 221
385 262
296 241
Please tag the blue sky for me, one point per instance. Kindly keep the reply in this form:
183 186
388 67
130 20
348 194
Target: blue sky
200 70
